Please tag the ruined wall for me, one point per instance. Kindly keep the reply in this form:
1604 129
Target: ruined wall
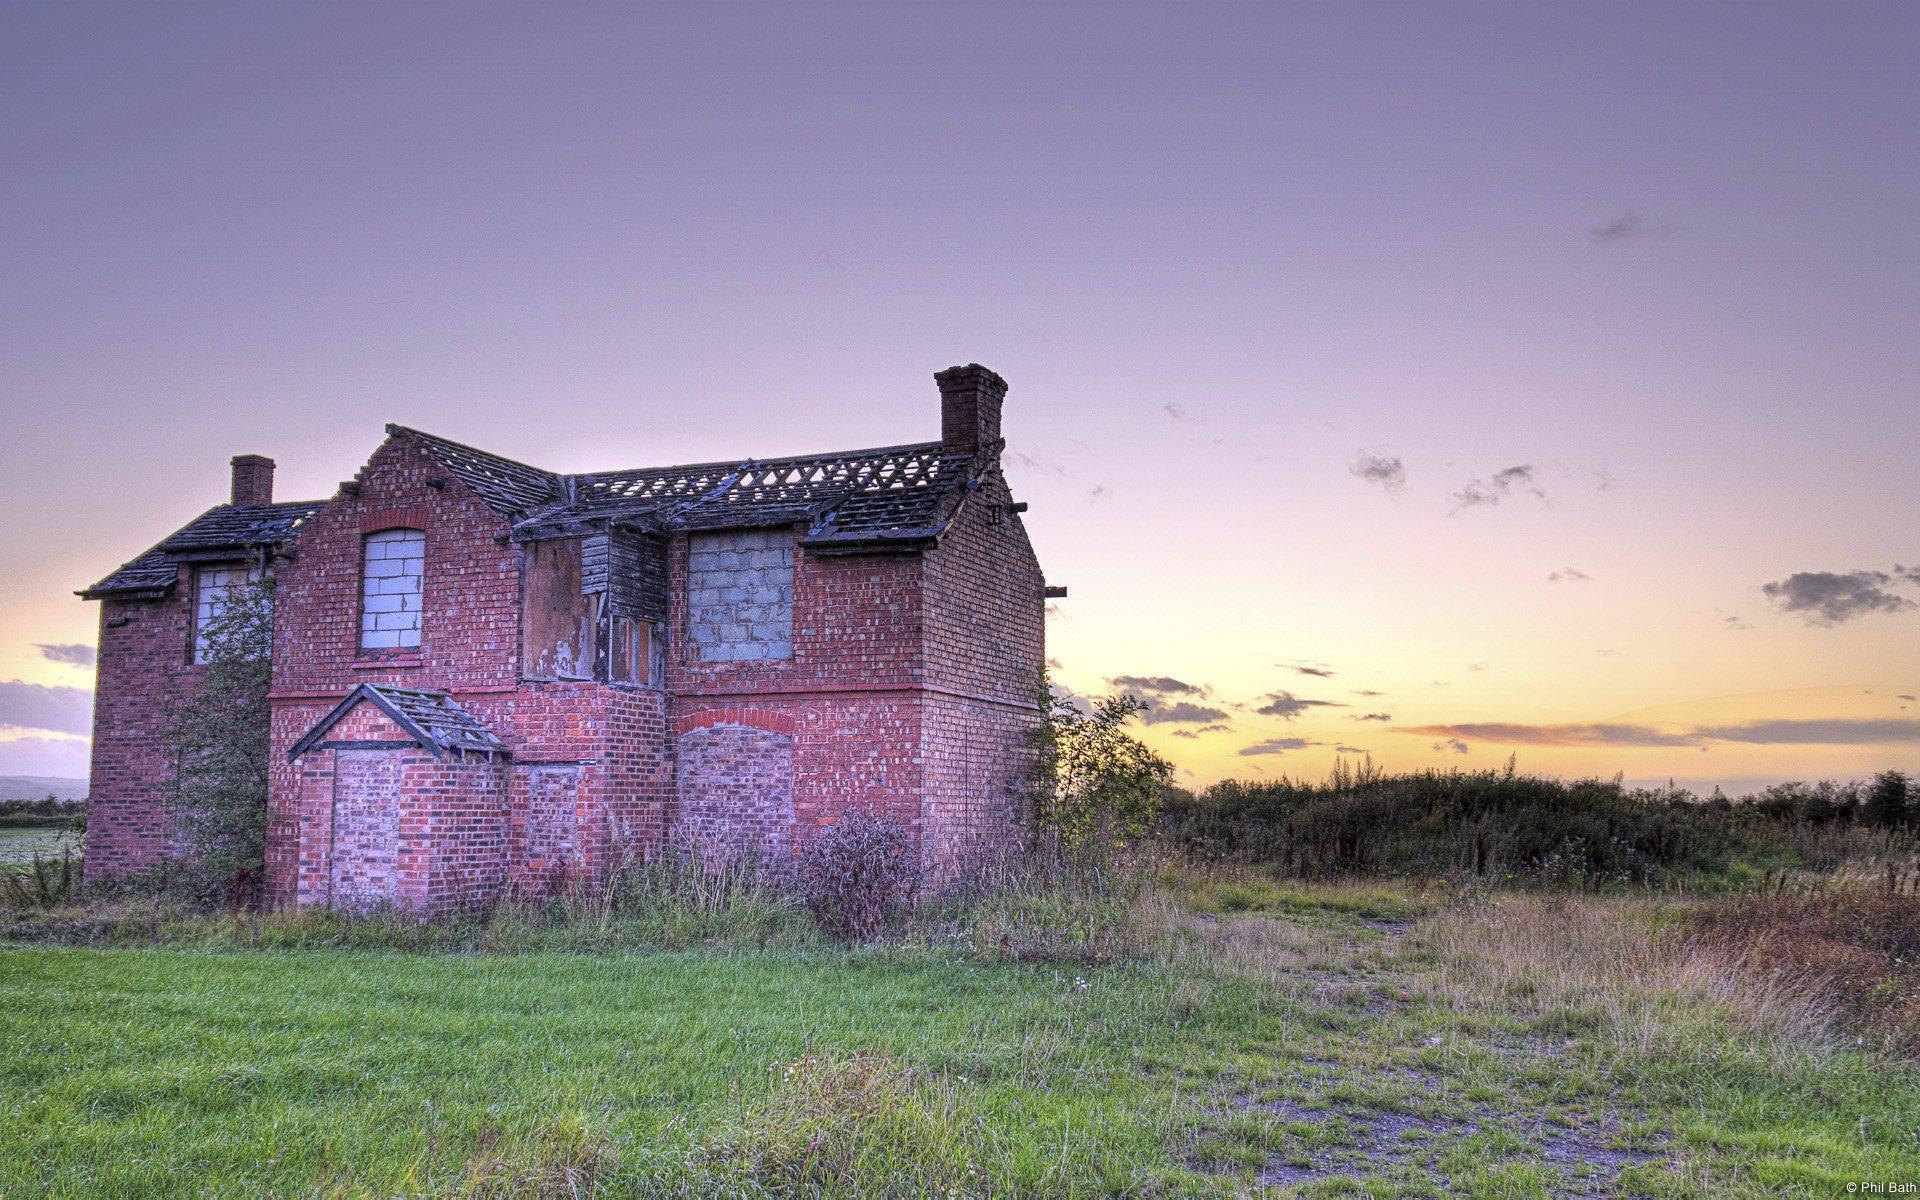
387 824
735 787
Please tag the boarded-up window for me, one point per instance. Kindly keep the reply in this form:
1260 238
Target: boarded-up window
212 585
557 623
740 595
390 586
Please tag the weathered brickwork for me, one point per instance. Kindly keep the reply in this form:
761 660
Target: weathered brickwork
735 786
144 659
740 595
796 680
985 646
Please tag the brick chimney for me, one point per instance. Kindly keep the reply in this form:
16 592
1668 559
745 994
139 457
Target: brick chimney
252 479
970 399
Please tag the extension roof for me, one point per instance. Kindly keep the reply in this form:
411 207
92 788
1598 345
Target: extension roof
433 719
224 531
889 497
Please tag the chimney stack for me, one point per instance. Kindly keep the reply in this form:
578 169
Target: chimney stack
970 399
252 479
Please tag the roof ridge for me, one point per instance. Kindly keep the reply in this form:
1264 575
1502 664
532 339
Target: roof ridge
752 461
394 427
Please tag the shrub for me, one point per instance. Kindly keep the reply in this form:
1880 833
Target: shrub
1510 827
217 736
854 874
1091 778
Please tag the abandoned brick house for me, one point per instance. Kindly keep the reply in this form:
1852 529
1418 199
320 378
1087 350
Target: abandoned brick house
485 672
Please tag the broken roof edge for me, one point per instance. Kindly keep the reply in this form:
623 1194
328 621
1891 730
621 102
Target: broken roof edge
141 576
387 700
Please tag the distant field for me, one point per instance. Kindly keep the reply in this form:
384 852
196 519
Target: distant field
18 846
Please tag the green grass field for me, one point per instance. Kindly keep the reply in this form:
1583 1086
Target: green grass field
1320 1042
18 846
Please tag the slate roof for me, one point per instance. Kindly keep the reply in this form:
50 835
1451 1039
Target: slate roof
886 498
226 528
509 488
433 719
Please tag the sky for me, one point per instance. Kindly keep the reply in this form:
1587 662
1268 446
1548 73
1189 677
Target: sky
1437 382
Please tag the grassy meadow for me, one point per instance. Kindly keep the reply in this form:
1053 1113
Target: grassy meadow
1214 1034
1171 1026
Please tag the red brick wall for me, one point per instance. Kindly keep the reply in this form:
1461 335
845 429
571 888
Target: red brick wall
735 786
850 695
143 660
985 644
470 611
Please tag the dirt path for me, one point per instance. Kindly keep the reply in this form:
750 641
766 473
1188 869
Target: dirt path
1405 1096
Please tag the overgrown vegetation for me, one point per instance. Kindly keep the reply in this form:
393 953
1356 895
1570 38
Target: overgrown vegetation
1851 952
218 734
49 812
1093 780
1510 828
855 873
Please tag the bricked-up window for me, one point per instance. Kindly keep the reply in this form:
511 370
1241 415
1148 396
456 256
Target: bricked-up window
390 586
740 595
211 587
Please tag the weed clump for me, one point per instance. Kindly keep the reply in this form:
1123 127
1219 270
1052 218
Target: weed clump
855 874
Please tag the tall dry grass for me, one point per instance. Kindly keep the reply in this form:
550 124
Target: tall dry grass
1632 974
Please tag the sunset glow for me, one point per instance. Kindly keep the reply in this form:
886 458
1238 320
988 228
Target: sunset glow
1572 418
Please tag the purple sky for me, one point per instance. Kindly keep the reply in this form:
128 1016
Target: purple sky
1665 257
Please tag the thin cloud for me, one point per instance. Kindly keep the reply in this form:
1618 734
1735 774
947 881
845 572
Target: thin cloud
1778 732
1277 746
1453 744
1367 692
1287 706
1099 492
1158 685
1737 622
1032 463
1569 575
1555 735
1174 412
39 707
1817 732
1185 733
1489 492
62 757
1181 713
1629 226
1380 716
1389 474
1341 749
1832 598
1216 727
69 654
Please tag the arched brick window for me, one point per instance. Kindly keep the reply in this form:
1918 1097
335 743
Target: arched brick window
390 589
